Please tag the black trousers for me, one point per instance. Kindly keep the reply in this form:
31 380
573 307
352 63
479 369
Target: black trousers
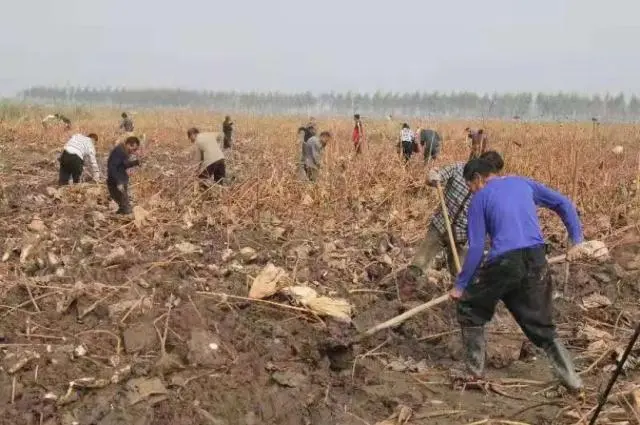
407 150
217 170
120 197
226 141
521 279
70 167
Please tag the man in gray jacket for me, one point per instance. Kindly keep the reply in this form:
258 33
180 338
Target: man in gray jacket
312 154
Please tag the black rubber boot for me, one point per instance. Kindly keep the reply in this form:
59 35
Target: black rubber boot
562 364
475 346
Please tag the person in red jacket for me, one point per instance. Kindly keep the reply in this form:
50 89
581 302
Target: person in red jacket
358 134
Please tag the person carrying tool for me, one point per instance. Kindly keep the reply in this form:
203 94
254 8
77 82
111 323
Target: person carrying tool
357 137
78 149
117 178
478 142
456 198
208 152
431 143
516 269
227 130
407 140
312 154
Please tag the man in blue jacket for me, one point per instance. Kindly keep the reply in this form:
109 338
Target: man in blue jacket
515 270
117 177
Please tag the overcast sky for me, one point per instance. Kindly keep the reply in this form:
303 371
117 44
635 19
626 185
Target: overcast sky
297 45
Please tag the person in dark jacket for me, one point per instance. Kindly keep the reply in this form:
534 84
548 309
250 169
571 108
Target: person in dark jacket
310 129
227 131
431 143
126 124
117 178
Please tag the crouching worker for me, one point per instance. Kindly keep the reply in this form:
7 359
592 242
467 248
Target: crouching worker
78 149
516 269
117 178
456 198
312 154
209 154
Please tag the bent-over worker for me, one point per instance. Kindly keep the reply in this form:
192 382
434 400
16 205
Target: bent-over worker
212 163
456 198
431 143
312 154
78 149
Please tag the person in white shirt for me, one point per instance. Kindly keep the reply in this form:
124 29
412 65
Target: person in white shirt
407 140
209 154
77 149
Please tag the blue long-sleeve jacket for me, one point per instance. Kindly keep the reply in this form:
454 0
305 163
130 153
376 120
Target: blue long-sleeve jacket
505 209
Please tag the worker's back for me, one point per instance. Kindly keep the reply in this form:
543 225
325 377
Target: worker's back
510 214
208 145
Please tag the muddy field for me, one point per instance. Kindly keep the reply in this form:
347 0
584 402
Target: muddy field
146 320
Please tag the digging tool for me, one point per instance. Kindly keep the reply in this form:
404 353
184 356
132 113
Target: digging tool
603 397
432 303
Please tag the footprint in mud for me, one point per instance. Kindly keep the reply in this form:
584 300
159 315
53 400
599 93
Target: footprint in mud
340 355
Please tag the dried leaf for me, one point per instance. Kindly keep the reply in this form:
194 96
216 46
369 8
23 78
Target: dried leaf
140 216
115 256
187 248
596 300
337 308
248 254
37 225
266 283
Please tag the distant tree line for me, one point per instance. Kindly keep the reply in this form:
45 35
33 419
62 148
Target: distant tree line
558 106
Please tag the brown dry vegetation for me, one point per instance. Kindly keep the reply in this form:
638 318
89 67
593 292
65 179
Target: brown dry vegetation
75 275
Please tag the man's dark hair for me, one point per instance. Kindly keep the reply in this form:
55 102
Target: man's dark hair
405 125
132 141
124 115
325 134
481 131
356 116
478 167
493 158
93 136
193 132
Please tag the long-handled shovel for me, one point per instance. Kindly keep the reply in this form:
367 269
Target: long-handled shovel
340 350
434 302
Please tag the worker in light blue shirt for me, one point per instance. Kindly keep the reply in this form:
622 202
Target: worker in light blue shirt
515 270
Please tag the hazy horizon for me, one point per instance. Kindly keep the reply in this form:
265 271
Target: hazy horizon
297 46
